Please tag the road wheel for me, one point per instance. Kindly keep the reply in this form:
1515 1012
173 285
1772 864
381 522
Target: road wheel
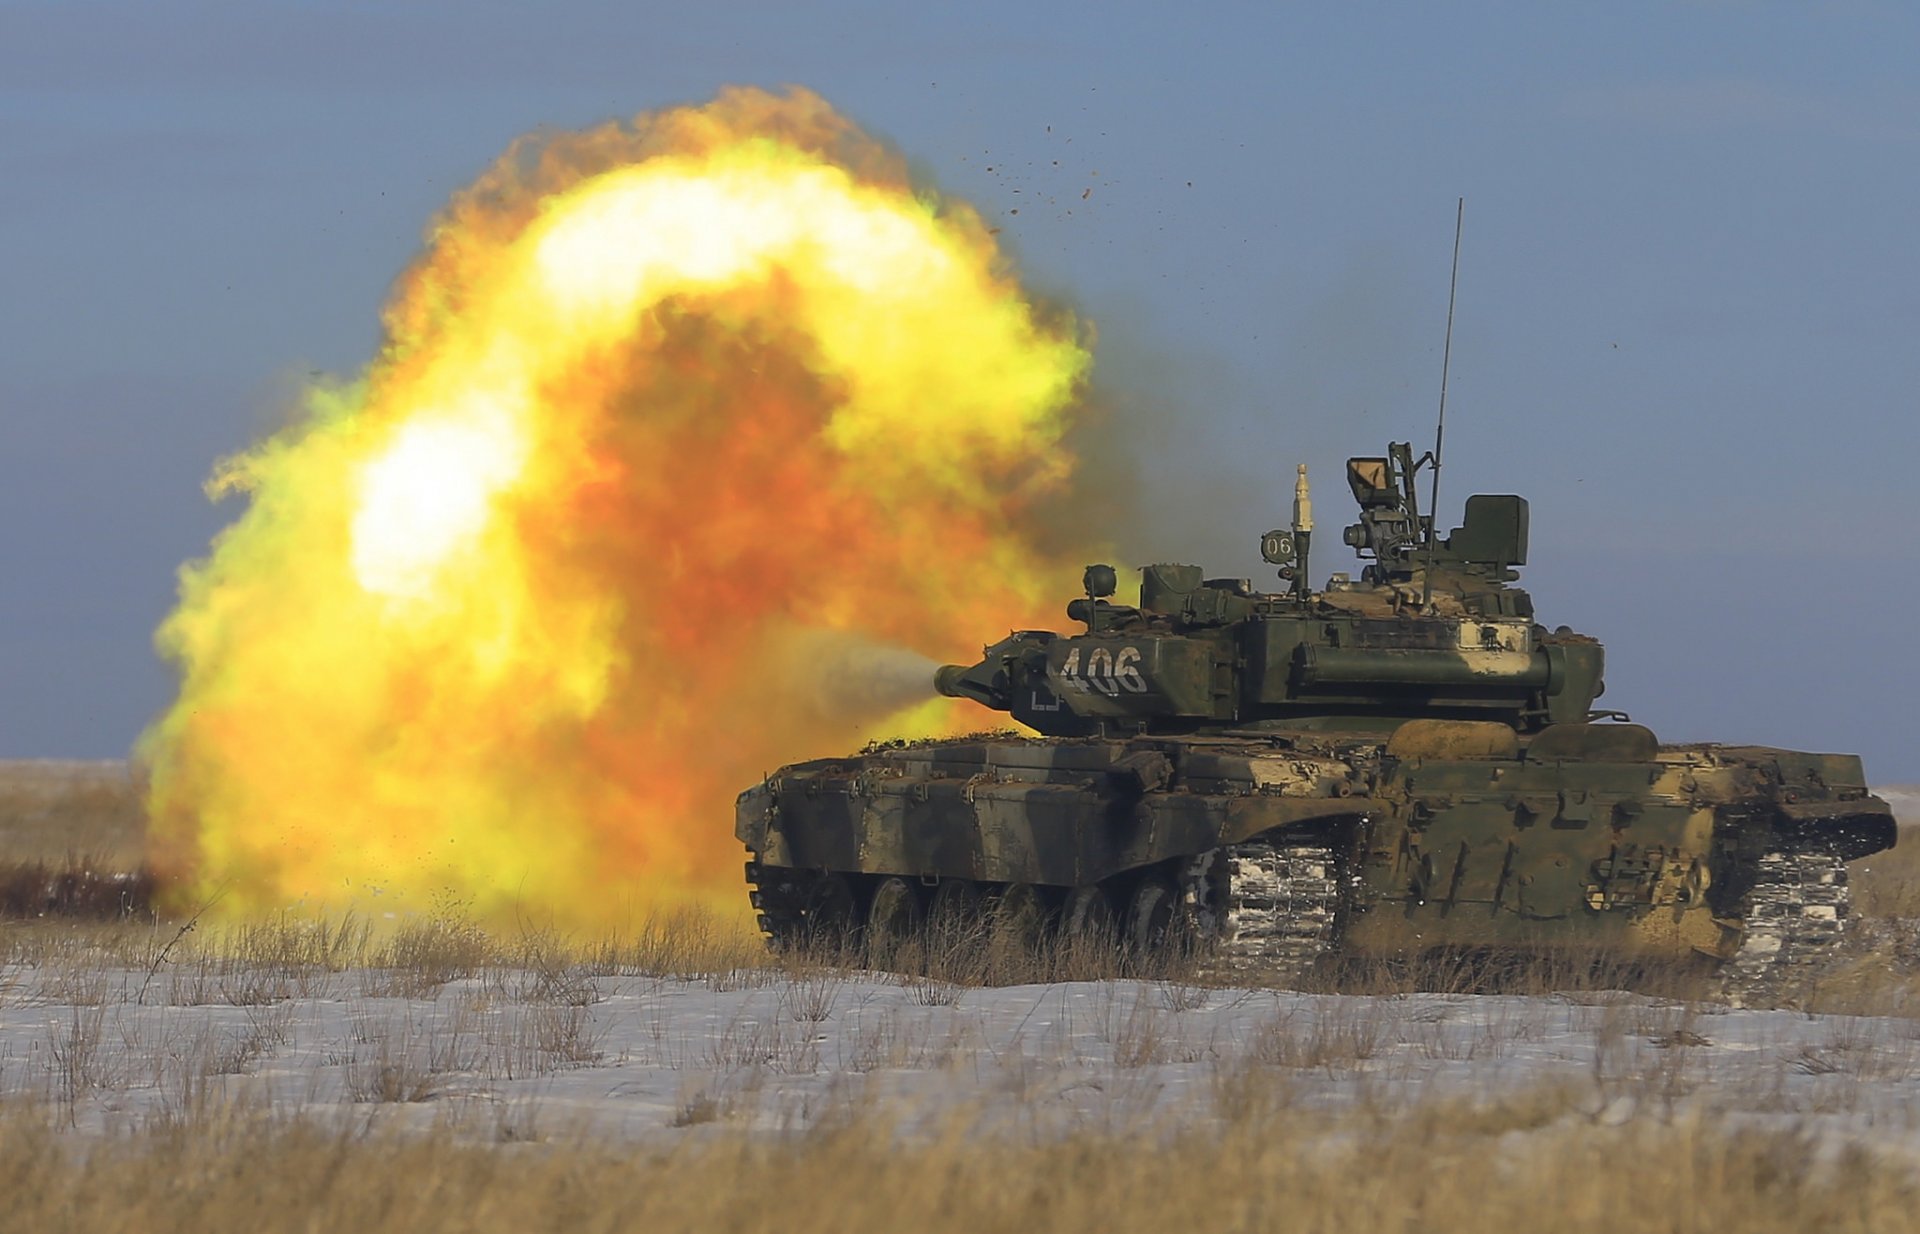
1016 918
1016 926
894 924
954 920
830 918
1159 927
1088 918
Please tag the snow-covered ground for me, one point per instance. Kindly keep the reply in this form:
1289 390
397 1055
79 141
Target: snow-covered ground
651 1058
108 1043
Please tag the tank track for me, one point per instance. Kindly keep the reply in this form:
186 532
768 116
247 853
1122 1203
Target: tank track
1266 912
1797 915
780 901
1274 911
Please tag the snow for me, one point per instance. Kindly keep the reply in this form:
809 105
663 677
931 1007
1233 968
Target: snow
649 1058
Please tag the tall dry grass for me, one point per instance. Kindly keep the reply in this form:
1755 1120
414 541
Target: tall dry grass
1888 884
1528 1162
1880 972
403 957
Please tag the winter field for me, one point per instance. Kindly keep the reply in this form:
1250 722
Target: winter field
433 1074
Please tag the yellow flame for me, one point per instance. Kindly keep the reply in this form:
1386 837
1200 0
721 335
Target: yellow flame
506 620
428 495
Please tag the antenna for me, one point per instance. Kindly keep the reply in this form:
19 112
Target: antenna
1440 429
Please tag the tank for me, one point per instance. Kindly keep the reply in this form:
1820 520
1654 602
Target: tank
1403 761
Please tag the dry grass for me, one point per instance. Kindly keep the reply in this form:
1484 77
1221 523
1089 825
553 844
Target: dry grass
72 840
50 811
415 954
1311 1115
1443 1167
1888 884
1880 975
249 963
80 887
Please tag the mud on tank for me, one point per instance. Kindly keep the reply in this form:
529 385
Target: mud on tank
1402 762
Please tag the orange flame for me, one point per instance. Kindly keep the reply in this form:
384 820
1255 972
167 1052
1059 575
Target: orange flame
672 421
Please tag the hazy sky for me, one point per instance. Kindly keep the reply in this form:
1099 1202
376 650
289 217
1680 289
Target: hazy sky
1688 309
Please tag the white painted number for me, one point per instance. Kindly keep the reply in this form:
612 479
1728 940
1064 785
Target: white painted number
1107 671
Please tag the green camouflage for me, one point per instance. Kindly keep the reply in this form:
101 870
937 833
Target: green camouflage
1433 749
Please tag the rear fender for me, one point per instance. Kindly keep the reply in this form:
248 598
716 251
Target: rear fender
1849 829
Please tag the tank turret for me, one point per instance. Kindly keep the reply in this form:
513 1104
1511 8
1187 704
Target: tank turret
1432 628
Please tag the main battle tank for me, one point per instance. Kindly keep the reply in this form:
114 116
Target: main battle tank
1399 763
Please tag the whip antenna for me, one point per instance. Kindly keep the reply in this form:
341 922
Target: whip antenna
1440 429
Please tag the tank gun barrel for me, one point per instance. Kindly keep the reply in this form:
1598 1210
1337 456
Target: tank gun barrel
971 681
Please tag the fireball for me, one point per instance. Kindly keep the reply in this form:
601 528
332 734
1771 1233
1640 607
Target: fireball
672 421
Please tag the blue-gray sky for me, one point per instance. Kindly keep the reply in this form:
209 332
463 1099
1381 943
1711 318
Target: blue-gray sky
1688 308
